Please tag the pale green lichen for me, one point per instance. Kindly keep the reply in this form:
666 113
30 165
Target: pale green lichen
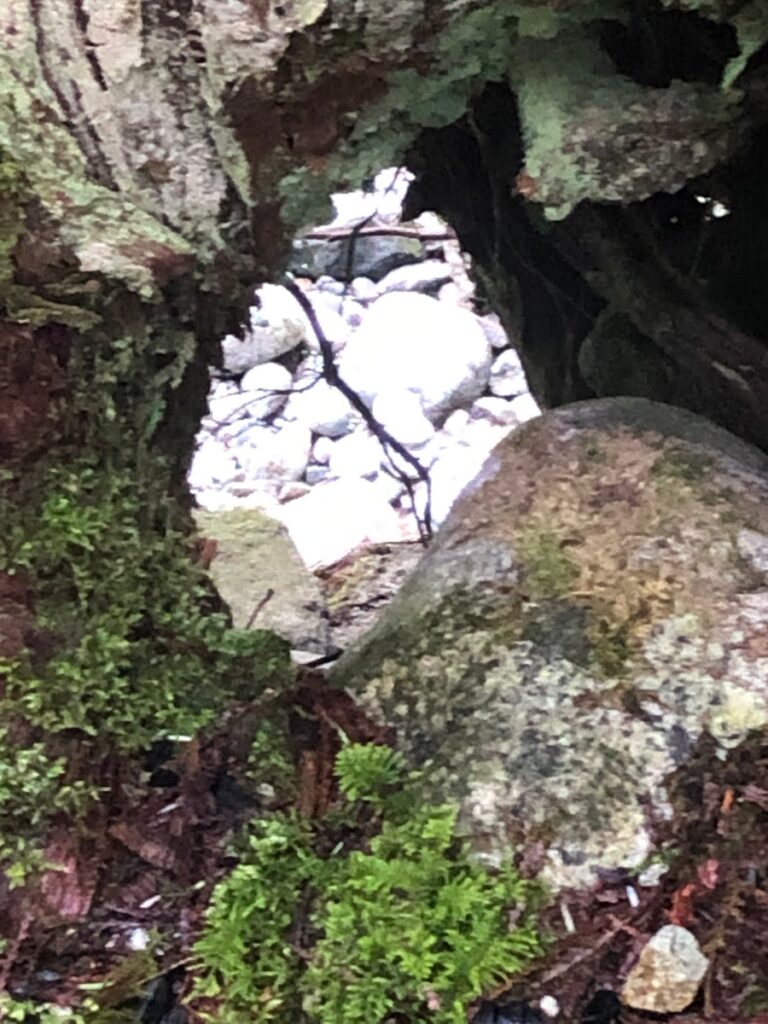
549 571
591 134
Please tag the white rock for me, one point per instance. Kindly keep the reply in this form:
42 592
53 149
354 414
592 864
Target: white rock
220 501
456 423
322 409
333 325
444 353
507 375
431 223
265 389
549 1006
257 345
356 455
426 455
336 518
390 487
138 939
498 411
226 404
338 315
401 413
525 408
212 464
494 331
451 295
277 325
327 284
427 276
321 450
384 201
668 974
447 479
276 454
364 289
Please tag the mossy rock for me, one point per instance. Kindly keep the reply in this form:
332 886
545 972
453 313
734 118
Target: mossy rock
255 555
595 602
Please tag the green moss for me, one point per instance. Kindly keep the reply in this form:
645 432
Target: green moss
611 645
137 652
549 570
472 49
679 462
362 931
23 1011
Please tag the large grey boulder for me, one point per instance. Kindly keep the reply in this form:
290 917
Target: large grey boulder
596 600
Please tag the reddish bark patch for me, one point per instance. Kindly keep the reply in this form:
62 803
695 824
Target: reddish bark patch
314 124
32 375
17 617
165 263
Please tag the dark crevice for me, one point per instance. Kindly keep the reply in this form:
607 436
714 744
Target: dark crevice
665 299
656 46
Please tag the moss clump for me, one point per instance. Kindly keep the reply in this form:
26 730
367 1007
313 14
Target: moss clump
23 1011
129 643
549 571
682 463
611 645
321 923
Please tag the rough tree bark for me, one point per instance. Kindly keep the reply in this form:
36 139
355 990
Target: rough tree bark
155 159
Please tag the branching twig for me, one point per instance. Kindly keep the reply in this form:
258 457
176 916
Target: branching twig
254 614
386 440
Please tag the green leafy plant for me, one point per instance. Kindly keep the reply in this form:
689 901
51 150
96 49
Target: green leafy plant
409 924
25 1011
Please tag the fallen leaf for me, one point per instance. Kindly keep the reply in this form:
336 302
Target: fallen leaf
681 912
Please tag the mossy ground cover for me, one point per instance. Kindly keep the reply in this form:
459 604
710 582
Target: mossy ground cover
141 649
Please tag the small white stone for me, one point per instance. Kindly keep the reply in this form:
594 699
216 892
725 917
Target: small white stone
498 411
138 939
323 410
507 375
265 389
525 408
400 412
668 974
356 455
549 1006
456 423
276 455
351 512
652 875
364 289
494 332
212 464
321 450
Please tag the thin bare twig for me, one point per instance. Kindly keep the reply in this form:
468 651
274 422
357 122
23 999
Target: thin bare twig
386 440
255 613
